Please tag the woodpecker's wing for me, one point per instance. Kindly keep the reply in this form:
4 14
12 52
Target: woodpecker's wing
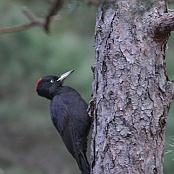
71 128
61 120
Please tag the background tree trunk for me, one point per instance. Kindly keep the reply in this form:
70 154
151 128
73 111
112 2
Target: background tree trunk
131 88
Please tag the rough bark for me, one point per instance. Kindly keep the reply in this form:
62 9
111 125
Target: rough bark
131 89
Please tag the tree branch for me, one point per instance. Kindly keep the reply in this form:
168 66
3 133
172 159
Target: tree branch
164 26
167 22
33 21
54 10
166 6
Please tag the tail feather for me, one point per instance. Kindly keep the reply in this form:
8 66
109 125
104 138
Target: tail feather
84 165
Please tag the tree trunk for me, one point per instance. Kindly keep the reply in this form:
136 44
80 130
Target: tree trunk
131 90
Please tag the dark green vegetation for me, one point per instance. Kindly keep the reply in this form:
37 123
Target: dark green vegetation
29 143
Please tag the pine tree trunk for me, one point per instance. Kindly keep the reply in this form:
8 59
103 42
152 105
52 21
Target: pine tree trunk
131 89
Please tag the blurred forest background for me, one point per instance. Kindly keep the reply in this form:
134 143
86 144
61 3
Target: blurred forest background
28 141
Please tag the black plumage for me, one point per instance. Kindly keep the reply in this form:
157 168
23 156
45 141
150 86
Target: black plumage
69 115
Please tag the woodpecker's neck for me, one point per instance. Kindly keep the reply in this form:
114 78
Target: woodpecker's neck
54 92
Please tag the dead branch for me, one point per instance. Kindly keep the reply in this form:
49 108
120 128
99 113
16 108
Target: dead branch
53 11
166 6
33 21
164 25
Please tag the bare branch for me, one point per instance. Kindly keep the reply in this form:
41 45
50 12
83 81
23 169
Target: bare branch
54 10
167 22
33 21
166 6
164 26
30 15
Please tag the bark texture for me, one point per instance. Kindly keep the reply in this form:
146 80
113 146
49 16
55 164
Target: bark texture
130 88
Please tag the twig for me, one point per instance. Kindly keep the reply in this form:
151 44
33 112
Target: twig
166 6
33 21
55 8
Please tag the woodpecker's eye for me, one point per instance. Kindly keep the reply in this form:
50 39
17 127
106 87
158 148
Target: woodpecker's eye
52 81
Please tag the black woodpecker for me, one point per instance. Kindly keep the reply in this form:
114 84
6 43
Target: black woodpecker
69 115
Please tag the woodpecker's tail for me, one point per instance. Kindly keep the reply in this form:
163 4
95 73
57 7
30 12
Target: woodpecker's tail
83 163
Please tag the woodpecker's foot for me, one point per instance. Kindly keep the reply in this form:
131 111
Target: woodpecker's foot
91 107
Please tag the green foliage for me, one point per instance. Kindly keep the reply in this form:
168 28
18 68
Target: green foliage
169 155
26 130
27 133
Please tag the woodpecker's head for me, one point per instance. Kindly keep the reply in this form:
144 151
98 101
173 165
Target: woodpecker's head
48 85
